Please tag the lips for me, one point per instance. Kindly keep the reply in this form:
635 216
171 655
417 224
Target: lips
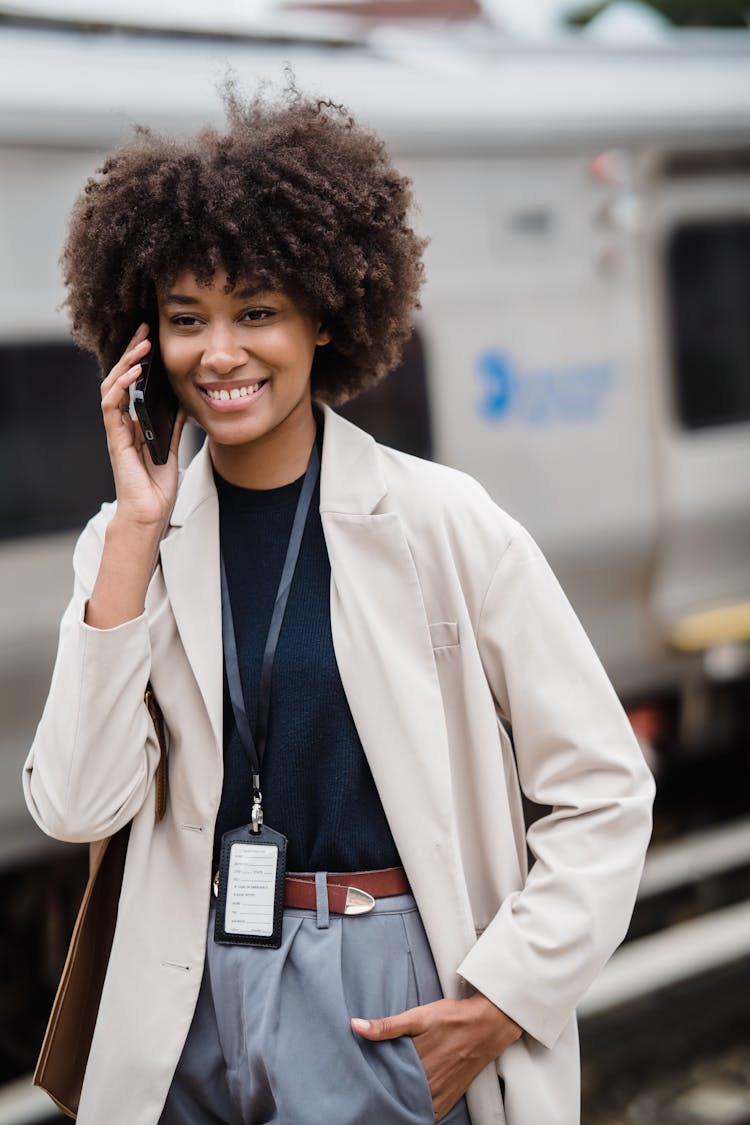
232 397
227 394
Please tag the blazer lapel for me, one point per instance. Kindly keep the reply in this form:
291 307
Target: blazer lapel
382 641
190 565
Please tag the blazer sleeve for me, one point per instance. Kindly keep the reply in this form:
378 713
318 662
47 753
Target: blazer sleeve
575 752
95 751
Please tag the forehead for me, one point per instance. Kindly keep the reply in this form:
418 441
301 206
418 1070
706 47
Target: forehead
186 285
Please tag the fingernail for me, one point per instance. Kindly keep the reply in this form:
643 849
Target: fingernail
361 1025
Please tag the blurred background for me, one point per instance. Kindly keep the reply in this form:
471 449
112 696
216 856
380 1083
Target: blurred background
583 172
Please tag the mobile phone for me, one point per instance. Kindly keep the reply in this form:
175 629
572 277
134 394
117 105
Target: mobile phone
154 401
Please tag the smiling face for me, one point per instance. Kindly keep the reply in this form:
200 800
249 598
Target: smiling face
240 364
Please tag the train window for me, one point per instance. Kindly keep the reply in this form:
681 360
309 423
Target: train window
708 267
396 410
54 469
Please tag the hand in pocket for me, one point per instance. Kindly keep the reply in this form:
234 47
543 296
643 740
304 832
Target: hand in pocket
455 1039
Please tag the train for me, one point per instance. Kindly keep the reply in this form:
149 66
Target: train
582 347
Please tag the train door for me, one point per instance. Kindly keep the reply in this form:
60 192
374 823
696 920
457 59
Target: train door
698 228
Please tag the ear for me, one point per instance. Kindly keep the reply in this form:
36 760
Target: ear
323 337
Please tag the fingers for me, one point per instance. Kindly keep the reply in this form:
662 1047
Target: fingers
115 386
137 348
410 1022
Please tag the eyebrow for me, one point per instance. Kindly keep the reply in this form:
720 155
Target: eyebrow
242 295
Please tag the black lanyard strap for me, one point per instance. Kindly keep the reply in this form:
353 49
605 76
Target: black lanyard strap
255 748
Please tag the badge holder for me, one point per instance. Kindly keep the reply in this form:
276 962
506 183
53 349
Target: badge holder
250 903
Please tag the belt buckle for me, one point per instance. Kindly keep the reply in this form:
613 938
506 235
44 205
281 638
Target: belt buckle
358 902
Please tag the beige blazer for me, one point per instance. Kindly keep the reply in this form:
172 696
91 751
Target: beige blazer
445 620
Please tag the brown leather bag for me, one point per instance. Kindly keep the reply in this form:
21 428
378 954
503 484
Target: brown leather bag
67 1040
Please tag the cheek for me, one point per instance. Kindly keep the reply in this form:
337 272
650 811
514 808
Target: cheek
302 350
177 358
287 344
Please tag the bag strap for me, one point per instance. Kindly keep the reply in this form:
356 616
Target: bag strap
157 718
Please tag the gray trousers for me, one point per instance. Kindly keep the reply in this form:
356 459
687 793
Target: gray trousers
271 1042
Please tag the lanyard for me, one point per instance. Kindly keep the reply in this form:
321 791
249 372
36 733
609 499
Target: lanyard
255 748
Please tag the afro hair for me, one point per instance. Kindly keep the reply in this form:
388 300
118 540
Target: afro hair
293 194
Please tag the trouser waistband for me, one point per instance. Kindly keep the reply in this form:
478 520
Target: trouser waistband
349 892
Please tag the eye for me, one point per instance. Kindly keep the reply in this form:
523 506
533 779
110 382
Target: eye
184 320
257 314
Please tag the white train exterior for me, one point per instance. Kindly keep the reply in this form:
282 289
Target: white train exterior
584 330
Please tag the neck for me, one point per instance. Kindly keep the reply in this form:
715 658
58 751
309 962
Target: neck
272 460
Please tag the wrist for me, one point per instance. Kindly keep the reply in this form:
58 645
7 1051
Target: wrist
128 528
496 1028
133 547
127 564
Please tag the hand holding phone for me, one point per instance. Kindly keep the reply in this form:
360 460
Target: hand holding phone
154 401
145 490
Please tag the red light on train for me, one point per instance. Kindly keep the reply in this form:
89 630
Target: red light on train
608 167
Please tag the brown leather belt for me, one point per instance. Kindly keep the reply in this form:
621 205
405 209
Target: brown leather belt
349 892
352 892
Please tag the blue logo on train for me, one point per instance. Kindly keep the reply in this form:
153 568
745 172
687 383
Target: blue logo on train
538 398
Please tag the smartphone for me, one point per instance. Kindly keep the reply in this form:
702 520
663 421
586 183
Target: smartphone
154 401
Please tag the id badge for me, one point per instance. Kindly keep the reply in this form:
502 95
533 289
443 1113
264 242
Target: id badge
251 887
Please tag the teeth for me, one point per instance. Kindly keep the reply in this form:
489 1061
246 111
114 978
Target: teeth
236 392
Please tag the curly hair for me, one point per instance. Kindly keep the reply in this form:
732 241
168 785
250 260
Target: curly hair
293 194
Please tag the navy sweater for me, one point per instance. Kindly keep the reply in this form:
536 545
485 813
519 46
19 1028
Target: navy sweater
317 785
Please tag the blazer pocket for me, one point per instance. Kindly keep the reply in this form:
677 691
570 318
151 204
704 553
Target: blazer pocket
444 634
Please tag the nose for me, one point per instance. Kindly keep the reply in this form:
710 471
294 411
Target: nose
222 352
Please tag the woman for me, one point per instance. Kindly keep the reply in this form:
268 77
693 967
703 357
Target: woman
364 719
